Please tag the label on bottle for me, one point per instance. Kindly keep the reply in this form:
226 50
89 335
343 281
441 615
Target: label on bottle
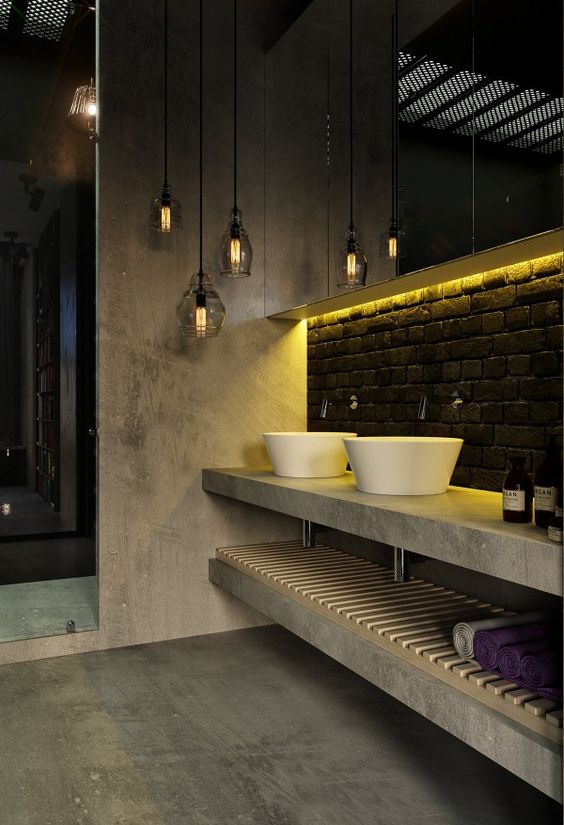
545 498
555 533
514 500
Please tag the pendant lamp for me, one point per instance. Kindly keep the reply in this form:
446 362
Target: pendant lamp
166 213
392 245
352 264
200 313
82 113
235 254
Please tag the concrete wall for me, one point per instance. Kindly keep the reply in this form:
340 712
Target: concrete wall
168 407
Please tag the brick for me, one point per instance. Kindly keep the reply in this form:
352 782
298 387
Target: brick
399 337
398 375
415 373
331 381
449 307
355 345
479 347
385 395
368 361
452 288
546 314
434 333
471 413
414 315
369 309
376 412
414 297
484 479
516 412
416 335
471 369
380 323
451 371
432 353
495 278
448 414
519 272
543 289
398 301
545 412
545 363
472 283
400 356
493 322
518 364
343 379
494 367
397 428
547 264
368 342
492 413
495 458
509 436
541 389
481 434
554 337
492 299
354 328
510 389
399 412
488 391
461 476
433 293
368 378
471 456
528 340
435 429
433 373
517 318
471 326
356 379
382 377
382 339
451 328
412 394
331 333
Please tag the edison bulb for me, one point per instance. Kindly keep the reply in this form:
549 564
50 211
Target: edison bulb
91 109
351 267
201 321
235 254
165 219
393 246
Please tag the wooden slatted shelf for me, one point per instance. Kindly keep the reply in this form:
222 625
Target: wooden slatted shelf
413 622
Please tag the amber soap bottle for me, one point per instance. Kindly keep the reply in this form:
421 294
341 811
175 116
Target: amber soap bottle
517 493
548 480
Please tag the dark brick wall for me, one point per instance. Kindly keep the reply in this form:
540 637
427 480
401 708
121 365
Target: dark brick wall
495 336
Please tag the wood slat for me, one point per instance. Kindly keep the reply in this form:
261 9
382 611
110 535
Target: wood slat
540 707
520 696
554 717
482 677
501 686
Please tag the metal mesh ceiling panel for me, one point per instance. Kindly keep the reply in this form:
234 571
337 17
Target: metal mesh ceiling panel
4 13
494 110
46 18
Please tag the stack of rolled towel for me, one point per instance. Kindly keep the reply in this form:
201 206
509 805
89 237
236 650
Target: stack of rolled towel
525 649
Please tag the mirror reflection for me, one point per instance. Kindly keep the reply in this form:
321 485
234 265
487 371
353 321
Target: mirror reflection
47 315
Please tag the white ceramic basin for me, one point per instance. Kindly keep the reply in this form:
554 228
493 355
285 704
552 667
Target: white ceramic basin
307 455
403 466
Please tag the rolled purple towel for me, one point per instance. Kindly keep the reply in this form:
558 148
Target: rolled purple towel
488 643
542 668
511 656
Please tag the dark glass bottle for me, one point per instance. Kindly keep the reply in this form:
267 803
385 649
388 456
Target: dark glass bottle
548 480
517 493
555 523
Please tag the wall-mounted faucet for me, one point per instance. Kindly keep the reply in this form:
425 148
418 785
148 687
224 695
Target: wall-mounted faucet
422 411
324 408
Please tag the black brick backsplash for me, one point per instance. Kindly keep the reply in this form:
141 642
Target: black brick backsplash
497 337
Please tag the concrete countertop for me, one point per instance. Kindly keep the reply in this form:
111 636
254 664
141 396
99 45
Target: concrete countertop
462 526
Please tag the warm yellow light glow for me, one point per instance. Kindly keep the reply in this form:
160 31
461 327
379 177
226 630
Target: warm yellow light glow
91 109
201 322
165 218
393 246
235 254
351 267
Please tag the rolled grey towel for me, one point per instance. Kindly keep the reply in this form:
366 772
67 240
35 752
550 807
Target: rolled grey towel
463 633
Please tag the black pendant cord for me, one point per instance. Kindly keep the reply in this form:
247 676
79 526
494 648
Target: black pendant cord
394 114
351 118
166 93
201 271
235 112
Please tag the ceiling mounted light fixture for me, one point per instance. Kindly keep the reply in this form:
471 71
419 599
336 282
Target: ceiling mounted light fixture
352 264
200 313
83 111
235 254
392 242
166 213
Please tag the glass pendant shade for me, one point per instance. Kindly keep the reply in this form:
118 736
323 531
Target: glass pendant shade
392 242
200 313
351 263
166 213
82 113
236 253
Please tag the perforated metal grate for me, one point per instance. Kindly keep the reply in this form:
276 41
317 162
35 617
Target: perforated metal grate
46 18
5 13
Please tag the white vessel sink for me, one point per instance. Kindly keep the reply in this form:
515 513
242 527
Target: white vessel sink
403 466
307 455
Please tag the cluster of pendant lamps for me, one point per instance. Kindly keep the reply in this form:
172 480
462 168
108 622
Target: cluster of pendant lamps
201 313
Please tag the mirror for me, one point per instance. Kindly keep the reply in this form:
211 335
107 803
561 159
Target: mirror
47 317
480 126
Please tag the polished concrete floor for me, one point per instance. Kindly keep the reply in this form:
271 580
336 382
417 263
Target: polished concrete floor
245 728
35 609
24 512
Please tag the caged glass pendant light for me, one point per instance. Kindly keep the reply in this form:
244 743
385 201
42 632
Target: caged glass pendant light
392 242
351 262
235 254
82 113
166 213
200 313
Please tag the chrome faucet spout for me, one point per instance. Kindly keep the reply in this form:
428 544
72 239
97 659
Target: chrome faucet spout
422 411
324 408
